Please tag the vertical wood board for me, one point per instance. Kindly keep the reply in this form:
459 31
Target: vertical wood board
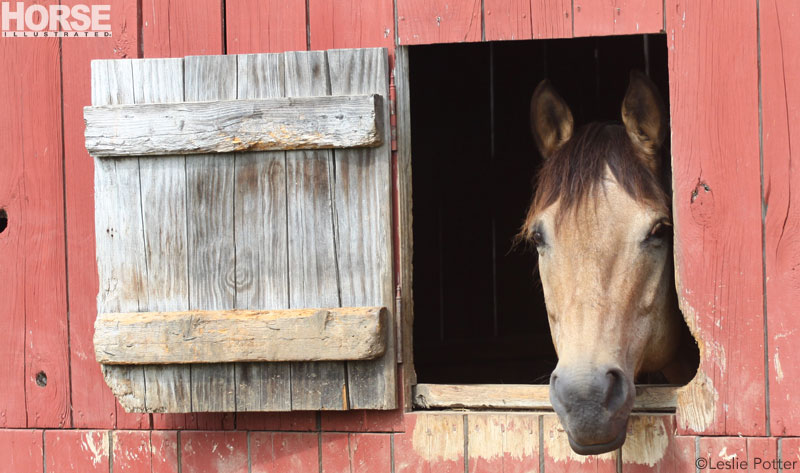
261 235
313 269
210 228
91 408
258 26
615 17
438 21
362 199
716 197
780 95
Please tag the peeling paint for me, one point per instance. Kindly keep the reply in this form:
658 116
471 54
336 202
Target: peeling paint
439 437
778 370
97 447
495 435
647 440
697 403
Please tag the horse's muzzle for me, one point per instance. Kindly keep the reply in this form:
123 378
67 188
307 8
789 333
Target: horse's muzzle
593 403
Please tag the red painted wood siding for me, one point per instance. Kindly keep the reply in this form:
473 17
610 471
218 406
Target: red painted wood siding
33 340
93 405
614 17
258 26
780 65
438 21
717 206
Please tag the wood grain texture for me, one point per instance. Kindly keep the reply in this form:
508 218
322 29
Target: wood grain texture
335 24
21 450
432 443
32 247
91 408
313 269
438 21
717 210
181 27
259 26
12 246
507 19
234 125
558 456
615 17
405 235
69 451
121 264
551 18
362 199
262 278
163 193
781 132
522 396
357 333
503 443
652 446
212 264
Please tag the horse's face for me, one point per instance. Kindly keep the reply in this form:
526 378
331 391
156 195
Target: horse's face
605 268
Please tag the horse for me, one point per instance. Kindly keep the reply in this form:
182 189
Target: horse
600 220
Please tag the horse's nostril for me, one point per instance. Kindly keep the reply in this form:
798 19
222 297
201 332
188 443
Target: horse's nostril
616 390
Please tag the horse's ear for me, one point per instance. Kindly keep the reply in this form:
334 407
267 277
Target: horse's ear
551 120
644 117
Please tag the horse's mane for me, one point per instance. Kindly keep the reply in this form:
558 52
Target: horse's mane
573 172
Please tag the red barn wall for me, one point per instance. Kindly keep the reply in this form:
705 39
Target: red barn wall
735 122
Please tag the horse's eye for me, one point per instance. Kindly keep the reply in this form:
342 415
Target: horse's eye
659 231
537 238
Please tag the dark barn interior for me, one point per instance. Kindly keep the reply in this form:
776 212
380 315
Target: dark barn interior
478 304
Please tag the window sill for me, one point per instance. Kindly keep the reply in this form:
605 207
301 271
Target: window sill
649 398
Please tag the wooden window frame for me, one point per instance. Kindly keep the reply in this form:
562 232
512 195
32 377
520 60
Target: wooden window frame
525 397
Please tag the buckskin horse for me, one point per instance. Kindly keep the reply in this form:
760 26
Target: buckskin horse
601 222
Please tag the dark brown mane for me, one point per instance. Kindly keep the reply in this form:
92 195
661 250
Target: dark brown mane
574 171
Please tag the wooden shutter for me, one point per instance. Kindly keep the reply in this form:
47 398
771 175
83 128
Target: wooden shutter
195 225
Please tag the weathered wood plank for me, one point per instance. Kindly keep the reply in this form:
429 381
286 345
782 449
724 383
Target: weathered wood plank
210 196
33 285
313 269
163 194
121 264
522 396
226 126
97 407
652 446
717 210
780 64
431 443
362 201
357 333
405 314
262 279
503 442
